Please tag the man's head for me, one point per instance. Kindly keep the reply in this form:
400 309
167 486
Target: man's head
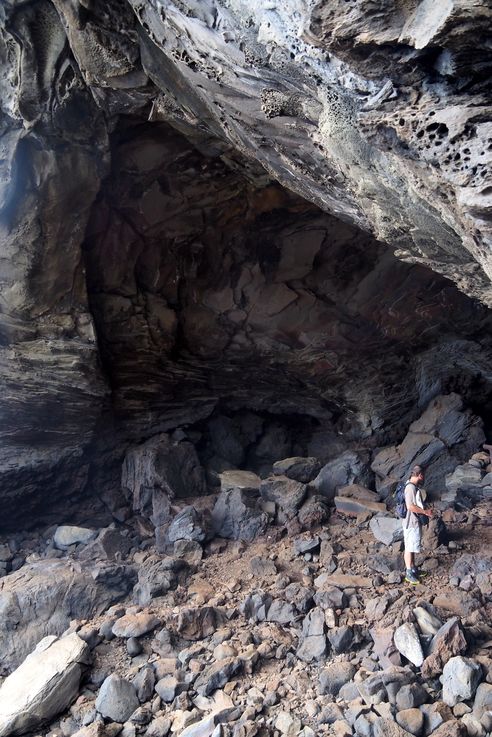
417 474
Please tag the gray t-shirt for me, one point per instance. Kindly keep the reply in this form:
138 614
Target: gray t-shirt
412 496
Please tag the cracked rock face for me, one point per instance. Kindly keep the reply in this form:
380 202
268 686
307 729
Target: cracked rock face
199 206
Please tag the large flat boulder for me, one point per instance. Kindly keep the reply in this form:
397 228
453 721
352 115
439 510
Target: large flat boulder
44 685
42 597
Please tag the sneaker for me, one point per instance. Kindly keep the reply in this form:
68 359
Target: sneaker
419 574
411 577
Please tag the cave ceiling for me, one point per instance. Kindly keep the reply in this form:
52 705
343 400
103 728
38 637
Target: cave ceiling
279 207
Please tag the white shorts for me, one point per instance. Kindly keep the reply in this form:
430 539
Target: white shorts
412 539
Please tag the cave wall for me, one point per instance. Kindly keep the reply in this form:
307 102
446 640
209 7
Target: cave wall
208 291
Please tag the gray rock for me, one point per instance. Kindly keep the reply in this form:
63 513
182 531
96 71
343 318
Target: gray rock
313 512
407 642
448 641
144 683
312 643
428 623
334 676
43 597
282 612
411 696
66 535
255 607
412 720
117 699
158 727
483 700
196 623
384 685
387 530
262 567
235 479
460 678
286 493
341 639
188 525
44 685
169 687
189 550
306 545
159 470
156 577
110 544
435 716
135 625
348 468
237 516
388 728
299 469
217 675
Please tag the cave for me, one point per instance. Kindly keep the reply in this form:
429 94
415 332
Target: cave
242 245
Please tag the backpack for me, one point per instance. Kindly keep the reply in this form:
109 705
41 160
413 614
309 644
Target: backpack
399 498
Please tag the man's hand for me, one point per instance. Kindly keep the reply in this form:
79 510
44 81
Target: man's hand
429 512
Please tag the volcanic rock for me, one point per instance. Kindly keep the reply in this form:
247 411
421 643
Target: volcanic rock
460 678
298 469
117 699
42 597
44 685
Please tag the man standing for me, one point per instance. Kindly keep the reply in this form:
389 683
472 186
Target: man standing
412 532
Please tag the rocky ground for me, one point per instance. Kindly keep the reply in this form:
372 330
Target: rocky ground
294 633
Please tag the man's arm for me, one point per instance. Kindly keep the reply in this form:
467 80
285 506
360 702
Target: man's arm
418 510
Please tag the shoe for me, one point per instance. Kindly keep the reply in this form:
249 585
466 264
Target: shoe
419 574
411 578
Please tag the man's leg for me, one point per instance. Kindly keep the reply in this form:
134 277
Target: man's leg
408 556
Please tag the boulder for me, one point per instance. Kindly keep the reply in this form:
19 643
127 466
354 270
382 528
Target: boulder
448 641
349 468
159 470
117 699
156 577
237 516
428 623
44 685
312 643
110 544
43 597
236 479
353 500
457 602
387 530
313 512
298 469
444 435
188 525
67 535
384 685
195 623
412 720
217 675
465 480
483 700
460 678
284 492
334 676
407 642
135 625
